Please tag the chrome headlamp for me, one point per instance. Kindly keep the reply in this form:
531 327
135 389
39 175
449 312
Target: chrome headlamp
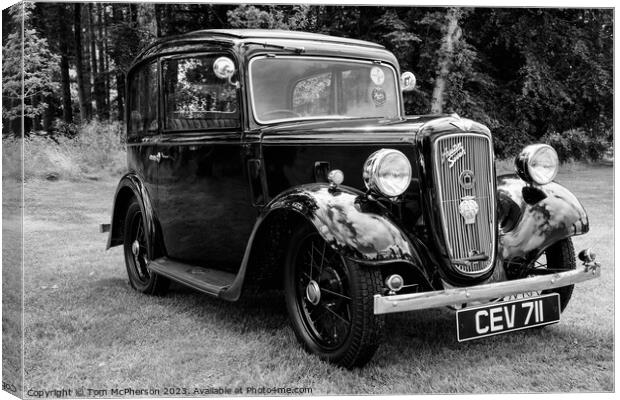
388 172
537 163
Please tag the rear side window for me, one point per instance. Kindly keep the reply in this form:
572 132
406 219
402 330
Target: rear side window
143 101
195 98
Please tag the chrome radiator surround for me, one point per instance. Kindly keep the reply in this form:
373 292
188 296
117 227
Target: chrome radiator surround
470 154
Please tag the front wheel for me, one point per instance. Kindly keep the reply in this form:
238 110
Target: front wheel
559 257
330 301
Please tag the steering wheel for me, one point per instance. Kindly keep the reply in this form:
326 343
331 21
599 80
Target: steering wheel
281 113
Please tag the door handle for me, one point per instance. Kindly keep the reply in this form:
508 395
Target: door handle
321 168
157 157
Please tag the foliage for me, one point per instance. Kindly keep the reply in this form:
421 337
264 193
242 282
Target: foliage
30 77
272 17
95 152
575 144
549 67
397 32
127 40
523 72
65 129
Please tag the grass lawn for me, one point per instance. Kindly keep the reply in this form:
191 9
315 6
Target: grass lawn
86 328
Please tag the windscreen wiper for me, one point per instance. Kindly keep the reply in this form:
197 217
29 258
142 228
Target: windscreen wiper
297 50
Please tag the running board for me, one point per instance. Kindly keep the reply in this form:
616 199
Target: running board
205 280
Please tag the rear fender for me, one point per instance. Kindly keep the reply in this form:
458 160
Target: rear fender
534 217
129 187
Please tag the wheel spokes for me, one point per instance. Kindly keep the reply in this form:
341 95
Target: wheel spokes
322 292
141 258
342 296
334 313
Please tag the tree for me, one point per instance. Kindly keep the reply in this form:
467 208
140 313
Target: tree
37 70
525 73
553 71
98 57
83 80
54 22
451 36
273 17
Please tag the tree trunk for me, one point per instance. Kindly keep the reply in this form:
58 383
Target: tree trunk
117 16
88 74
48 114
120 95
452 34
83 94
93 60
106 59
133 13
159 20
65 82
36 118
102 106
147 18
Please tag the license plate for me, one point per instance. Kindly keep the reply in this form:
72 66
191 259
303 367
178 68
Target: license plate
507 316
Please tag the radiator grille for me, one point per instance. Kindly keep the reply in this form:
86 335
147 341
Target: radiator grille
464 240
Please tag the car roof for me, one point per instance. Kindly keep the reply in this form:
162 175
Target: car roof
254 36
281 34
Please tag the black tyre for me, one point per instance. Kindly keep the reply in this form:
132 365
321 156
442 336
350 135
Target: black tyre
559 257
136 254
330 301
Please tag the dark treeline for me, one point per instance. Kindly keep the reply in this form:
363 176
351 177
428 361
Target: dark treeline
528 74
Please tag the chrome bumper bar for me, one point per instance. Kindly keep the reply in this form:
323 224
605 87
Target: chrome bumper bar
448 297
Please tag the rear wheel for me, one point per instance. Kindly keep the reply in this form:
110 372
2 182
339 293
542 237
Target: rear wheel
330 301
136 254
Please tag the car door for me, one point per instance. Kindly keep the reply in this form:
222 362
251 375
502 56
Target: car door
142 128
203 200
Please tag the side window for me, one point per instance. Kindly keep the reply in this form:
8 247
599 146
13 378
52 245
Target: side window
311 95
195 98
143 101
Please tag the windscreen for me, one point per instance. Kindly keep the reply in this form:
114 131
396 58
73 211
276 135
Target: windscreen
297 88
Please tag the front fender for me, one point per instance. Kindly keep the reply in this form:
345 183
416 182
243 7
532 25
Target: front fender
534 217
359 232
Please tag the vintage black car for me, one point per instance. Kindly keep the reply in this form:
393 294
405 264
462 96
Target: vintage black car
263 159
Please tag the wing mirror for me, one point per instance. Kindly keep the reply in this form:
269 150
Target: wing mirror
224 68
407 81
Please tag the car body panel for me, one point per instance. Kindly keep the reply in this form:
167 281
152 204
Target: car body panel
195 175
130 187
357 228
555 214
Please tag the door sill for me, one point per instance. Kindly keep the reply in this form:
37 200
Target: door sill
206 280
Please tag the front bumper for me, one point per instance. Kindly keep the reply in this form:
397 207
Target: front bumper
448 297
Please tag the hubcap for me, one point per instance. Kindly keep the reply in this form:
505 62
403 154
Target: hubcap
137 251
135 247
313 292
